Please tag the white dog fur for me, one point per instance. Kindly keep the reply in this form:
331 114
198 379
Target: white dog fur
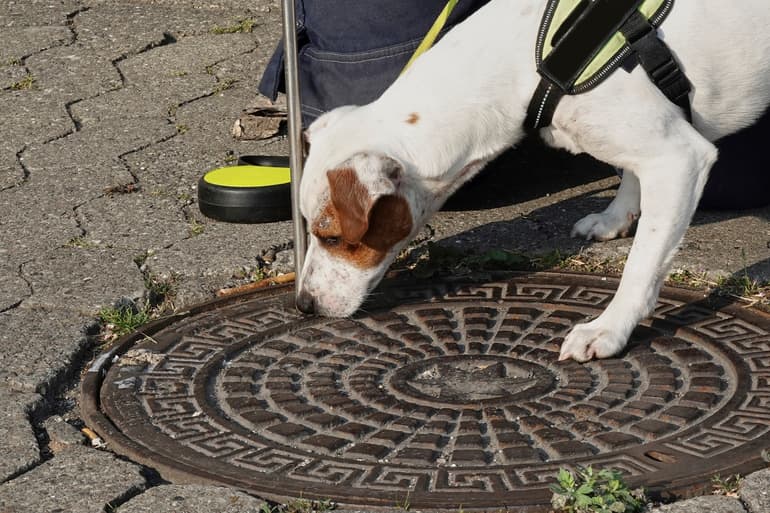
464 102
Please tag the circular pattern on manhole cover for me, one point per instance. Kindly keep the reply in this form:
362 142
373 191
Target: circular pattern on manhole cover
447 395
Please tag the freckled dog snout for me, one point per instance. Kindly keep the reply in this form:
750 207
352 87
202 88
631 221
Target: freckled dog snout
305 302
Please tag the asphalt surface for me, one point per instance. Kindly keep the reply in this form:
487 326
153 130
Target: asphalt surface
111 111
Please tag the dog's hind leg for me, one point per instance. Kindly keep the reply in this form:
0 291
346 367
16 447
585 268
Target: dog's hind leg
671 161
618 218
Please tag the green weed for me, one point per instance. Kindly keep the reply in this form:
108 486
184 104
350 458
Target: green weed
224 85
28 82
726 486
122 321
196 227
589 491
80 242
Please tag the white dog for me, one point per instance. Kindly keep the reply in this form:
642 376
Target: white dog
375 174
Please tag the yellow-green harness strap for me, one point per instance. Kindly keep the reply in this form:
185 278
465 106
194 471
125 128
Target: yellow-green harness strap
433 33
582 42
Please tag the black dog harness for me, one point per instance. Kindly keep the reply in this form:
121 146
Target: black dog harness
582 42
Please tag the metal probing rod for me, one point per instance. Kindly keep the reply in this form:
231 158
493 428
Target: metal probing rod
295 133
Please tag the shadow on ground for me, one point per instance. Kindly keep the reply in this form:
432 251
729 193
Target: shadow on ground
532 172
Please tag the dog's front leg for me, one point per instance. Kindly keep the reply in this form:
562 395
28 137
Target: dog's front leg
618 218
671 179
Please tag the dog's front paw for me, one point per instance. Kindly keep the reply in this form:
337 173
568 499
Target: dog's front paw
588 341
604 226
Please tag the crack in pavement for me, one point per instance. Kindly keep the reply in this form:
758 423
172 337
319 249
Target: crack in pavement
20 274
68 375
30 410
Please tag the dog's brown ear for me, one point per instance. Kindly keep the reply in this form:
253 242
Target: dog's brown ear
352 202
389 222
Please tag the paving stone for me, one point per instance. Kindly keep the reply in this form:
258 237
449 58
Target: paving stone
96 144
64 188
39 345
117 29
11 172
208 262
212 118
10 74
13 288
73 72
138 221
188 56
31 116
749 235
755 491
62 436
20 42
80 480
84 280
174 167
85 165
706 504
222 5
18 443
192 499
252 64
30 13
29 226
160 100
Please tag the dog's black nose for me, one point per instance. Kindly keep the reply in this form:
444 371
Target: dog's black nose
305 302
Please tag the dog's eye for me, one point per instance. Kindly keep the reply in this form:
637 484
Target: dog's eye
330 241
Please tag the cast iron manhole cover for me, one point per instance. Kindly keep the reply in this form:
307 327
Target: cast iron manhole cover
447 395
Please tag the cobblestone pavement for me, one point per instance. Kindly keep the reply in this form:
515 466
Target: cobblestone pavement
111 110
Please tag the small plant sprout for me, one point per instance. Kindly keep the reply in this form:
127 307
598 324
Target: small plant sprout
589 491
28 82
243 26
80 242
726 486
196 227
404 504
224 85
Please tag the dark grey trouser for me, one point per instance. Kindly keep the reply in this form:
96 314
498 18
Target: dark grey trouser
350 51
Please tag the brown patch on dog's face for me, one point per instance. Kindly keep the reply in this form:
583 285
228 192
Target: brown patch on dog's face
351 202
354 228
413 118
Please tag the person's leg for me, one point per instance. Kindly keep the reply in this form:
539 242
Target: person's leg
350 52
741 177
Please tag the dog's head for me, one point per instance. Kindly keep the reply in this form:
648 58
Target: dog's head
357 207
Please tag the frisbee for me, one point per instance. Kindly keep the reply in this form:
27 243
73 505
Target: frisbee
257 190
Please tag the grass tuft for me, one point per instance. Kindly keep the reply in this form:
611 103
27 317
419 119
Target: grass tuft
28 82
119 321
726 486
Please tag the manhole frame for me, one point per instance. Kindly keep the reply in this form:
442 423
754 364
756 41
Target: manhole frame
178 472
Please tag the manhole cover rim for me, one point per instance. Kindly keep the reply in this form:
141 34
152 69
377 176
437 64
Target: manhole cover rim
178 471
